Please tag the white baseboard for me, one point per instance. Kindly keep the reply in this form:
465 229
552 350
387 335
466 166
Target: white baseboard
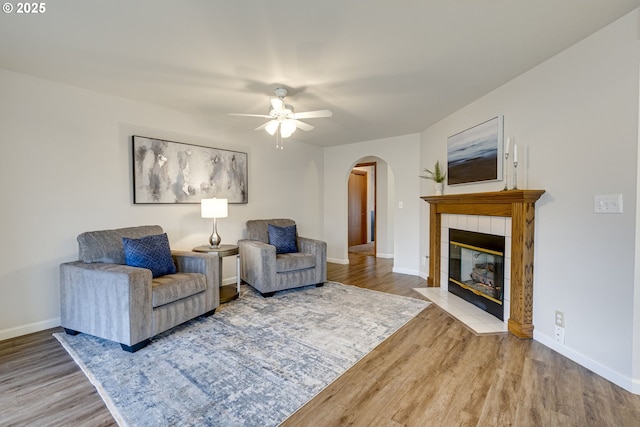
381 255
338 261
425 276
29 329
230 280
405 271
628 383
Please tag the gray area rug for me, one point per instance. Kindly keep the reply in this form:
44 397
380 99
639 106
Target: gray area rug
253 363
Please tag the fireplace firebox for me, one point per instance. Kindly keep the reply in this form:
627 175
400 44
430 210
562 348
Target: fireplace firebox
476 269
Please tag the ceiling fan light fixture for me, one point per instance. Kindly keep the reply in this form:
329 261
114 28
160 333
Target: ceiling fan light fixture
287 128
283 119
272 127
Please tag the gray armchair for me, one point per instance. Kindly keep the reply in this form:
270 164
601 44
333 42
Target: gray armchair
100 295
268 271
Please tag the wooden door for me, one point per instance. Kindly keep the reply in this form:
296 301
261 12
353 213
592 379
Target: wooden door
357 207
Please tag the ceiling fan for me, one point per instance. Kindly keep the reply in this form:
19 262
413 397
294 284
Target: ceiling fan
284 121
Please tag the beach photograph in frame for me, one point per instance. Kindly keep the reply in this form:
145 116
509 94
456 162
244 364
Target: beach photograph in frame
175 172
475 154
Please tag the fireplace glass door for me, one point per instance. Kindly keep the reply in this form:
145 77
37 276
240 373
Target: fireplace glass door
476 269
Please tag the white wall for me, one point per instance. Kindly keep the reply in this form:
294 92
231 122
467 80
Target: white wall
402 156
67 169
575 119
635 354
385 218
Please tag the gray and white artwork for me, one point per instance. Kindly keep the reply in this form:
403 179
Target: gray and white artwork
174 172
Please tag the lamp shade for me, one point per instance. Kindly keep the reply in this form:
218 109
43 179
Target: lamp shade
214 208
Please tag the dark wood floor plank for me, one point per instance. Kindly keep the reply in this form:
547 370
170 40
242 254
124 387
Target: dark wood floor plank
432 372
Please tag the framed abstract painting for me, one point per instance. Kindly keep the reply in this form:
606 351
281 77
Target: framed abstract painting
475 154
174 172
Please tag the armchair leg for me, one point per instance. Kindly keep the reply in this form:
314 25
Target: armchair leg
267 294
71 331
135 347
209 313
319 285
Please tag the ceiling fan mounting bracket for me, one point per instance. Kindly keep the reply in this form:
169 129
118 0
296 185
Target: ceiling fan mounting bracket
281 92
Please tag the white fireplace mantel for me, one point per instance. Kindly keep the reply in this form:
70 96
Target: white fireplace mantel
519 205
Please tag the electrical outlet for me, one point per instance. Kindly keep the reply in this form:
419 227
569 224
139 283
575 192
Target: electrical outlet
559 334
607 203
559 319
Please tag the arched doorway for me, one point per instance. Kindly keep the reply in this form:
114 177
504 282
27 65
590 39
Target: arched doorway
361 194
379 211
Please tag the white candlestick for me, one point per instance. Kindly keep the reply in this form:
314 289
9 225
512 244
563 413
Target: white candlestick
506 149
515 153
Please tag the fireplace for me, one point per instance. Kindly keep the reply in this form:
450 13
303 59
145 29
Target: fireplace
476 269
519 205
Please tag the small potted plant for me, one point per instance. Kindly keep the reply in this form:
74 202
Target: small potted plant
437 176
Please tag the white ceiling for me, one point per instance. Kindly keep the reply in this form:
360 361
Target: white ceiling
385 68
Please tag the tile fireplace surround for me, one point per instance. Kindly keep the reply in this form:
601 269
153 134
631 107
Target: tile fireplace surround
519 205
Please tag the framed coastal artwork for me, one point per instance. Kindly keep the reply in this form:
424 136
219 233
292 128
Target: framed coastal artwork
174 172
475 154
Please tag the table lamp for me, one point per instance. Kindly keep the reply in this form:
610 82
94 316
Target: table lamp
214 208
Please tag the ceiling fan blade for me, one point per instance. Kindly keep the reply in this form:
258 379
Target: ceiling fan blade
313 114
250 115
277 104
302 125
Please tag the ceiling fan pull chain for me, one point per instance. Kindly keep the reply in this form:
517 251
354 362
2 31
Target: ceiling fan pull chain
278 138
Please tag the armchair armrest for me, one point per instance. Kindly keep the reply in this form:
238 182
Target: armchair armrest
257 262
319 249
204 263
310 246
111 301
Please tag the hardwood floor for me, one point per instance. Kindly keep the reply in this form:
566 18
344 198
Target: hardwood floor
40 385
432 372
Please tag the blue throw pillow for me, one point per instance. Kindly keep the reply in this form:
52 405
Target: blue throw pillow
150 252
283 238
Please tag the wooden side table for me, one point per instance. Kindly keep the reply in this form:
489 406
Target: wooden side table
228 292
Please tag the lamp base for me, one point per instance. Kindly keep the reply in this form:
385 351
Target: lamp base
214 239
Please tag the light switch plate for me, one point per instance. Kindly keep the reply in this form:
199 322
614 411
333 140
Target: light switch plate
607 203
